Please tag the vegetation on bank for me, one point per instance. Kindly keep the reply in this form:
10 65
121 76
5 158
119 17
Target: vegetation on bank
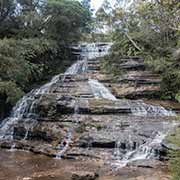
174 163
34 36
149 29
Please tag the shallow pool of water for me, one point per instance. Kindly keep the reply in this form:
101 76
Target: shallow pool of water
21 165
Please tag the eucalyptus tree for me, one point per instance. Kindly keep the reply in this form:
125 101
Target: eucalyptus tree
65 19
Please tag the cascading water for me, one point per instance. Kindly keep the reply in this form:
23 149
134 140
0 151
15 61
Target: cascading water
26 105
77 68
90 51
148 150
63 146
100 91
24 110
142 109
94 50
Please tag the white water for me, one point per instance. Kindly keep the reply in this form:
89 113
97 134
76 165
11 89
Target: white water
146 151
25 106
24 109
93 50
77 68
100 91
64 144
142 109
13 147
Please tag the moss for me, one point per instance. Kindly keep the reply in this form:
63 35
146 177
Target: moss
175 137
178 97
94 103
80 129
99 127
174 163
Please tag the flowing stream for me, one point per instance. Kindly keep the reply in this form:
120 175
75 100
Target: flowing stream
24 109
142 109
100 91
146 151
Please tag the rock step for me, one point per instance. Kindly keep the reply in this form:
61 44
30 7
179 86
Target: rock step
136 91
140 81
92 68
132 66
85 96
140 94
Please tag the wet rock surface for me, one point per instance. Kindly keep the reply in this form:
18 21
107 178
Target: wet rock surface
83 175
70 121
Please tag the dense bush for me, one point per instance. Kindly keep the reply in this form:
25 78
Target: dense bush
24 61
174 162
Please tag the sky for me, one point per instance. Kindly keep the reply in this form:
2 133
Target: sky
96 4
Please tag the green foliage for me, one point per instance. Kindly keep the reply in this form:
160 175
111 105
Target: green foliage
11 91
123 47
174 155
21 60
175 164
66 19
178 96
171 82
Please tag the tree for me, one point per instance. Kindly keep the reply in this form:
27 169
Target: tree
67 19
7 8
7 12
86 4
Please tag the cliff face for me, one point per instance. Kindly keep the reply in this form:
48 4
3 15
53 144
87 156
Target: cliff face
79 118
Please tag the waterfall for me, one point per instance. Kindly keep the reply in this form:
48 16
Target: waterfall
24 114
148 150
77 68
26 105
24 109
142 109
64 144
100 91
94 50
143 152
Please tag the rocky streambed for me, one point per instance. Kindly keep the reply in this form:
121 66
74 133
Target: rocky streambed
92 128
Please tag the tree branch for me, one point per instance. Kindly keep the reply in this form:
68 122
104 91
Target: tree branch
134 44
